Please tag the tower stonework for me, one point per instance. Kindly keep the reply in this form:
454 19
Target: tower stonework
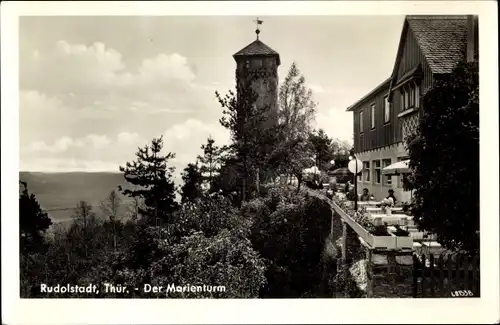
260 62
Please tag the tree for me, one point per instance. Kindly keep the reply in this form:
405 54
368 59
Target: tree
296 104
228 181
292 156
111 208
291 240
323 148
341 151
244 119
192 178
210 161
153 179
292 152
83 231
33 222
444 159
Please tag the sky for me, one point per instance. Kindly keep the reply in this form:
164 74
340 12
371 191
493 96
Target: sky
93 89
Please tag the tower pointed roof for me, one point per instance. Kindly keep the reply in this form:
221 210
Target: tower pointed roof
257 48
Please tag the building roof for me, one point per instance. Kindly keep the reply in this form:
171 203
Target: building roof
442 40
380 87
257 48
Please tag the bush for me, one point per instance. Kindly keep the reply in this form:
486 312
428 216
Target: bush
444 159
289 230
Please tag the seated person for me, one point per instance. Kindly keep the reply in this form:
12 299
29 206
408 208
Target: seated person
365 196
391 196
347 187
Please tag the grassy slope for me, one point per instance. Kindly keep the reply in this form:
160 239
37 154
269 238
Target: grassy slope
66 190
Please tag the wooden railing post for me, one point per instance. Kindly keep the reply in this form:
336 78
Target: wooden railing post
424 275
475 266
431 260
466 273
441 275
449 266
415 275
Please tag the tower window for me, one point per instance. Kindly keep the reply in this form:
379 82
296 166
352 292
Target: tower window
257 63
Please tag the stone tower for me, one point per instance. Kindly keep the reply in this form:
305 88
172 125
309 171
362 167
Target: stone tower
259 61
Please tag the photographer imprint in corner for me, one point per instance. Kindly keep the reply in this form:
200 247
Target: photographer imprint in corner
462 293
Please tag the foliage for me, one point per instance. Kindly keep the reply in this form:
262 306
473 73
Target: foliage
111 206
192 177
208 214
227 259
444 159
341 152
292 152
207 244
33 223
250 138
296 104
362 218
289 230
322 148
210 161
292 157
153 178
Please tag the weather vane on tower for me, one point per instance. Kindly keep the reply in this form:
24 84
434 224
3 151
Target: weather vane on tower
258 22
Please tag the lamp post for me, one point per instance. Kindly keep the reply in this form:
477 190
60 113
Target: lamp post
354 168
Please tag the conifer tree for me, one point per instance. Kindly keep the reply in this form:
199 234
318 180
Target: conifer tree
244 119
33 222
210 161
153 182
192 177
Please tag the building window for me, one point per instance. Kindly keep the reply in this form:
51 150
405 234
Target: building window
366 171
361 122
372 116
387 180
417 95
410 96
402 101
377 171
257 63
387 109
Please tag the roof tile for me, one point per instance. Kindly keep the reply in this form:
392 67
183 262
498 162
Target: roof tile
442 39
256 48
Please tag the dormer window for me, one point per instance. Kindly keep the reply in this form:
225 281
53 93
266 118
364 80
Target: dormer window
410 96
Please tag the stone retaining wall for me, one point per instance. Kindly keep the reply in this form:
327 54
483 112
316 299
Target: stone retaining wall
389 274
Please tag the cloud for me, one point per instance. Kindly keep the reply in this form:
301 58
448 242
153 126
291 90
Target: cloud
97 69
96 77
78 96
185 139
109 152
67 165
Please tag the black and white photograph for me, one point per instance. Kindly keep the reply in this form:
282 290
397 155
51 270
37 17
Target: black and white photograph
212 156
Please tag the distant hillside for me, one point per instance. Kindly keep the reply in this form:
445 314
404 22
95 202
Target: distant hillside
66 190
